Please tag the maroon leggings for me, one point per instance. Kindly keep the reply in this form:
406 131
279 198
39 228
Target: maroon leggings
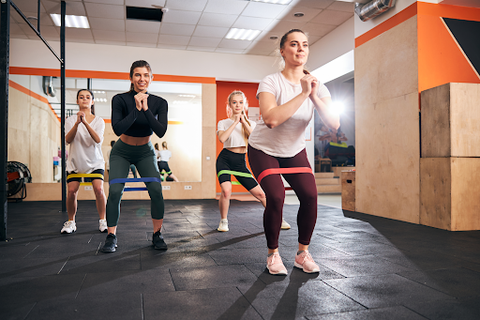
302 183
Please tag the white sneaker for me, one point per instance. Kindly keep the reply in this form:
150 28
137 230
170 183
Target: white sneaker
223 226
102 225
69 227
285 225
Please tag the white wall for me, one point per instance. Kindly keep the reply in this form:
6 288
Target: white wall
100 57
335 44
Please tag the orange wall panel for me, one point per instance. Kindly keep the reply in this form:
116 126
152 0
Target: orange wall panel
440 59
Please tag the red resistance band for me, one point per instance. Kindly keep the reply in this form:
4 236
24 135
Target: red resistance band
271 171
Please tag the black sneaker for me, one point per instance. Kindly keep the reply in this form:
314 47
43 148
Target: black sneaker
110 243
158 241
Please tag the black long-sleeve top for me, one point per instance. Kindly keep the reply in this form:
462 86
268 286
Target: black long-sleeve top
126 119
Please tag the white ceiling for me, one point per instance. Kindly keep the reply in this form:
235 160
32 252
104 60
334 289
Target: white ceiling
197 25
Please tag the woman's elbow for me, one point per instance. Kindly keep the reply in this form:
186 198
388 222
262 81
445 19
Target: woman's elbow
270 123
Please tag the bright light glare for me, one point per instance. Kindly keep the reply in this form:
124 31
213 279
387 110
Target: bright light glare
337 107
71 21
242 34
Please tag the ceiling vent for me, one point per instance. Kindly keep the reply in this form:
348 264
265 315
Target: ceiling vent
147 14
373 8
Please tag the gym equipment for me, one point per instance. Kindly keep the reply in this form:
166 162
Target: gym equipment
17 177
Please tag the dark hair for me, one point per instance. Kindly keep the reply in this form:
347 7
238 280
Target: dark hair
285 36
93 98
139 64
164 144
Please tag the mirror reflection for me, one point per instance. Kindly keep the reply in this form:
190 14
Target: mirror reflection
34 122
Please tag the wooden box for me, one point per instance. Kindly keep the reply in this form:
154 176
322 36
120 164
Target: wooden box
450 120
348 190
450 193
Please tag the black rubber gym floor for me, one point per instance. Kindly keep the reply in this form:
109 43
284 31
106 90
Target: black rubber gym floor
371 268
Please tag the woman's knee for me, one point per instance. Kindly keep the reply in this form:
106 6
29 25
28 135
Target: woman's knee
115 192
154 189
98 190
275 200
308 196
72 191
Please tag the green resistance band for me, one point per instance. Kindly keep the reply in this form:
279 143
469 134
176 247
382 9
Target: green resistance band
235 173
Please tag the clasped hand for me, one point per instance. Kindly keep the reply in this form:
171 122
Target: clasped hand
240 118
309 85
80 117
141 101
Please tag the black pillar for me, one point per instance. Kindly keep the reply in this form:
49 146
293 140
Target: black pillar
62 121
4 64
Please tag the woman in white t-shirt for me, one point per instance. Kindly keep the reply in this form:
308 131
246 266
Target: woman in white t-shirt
277 146
233 132
162 160
84 134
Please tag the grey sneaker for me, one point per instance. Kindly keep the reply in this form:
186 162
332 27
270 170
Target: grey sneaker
158 242
110 243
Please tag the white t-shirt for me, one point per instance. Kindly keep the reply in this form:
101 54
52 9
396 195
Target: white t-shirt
85 154
287 139
236 138
165 155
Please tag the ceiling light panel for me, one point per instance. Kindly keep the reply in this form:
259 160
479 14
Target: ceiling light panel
242 34
71 21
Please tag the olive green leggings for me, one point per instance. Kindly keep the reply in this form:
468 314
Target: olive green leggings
144 159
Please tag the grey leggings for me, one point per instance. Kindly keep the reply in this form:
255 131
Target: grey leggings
143 157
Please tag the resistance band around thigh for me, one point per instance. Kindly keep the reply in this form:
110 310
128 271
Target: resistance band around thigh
85 175
235 173
271 171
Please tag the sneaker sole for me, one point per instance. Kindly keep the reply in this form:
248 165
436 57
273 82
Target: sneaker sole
65 232
301 268
222 230
285 228
160 248
279 273
104 231
109 250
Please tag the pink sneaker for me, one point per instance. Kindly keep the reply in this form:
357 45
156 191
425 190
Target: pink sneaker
305 262
275 264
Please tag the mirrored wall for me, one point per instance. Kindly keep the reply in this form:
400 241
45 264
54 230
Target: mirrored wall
34 121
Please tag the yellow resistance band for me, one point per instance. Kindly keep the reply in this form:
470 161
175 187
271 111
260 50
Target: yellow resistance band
85 175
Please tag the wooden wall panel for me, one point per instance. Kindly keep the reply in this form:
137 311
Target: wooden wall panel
435 186
387 125
450 193
450 118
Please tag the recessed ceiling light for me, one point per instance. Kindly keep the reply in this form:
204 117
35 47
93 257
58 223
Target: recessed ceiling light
71 21
274 1
298 14
242 34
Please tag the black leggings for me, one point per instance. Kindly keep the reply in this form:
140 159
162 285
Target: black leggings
302 183
143 157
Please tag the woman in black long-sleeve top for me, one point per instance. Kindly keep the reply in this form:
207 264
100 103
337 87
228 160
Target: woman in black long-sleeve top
136 115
